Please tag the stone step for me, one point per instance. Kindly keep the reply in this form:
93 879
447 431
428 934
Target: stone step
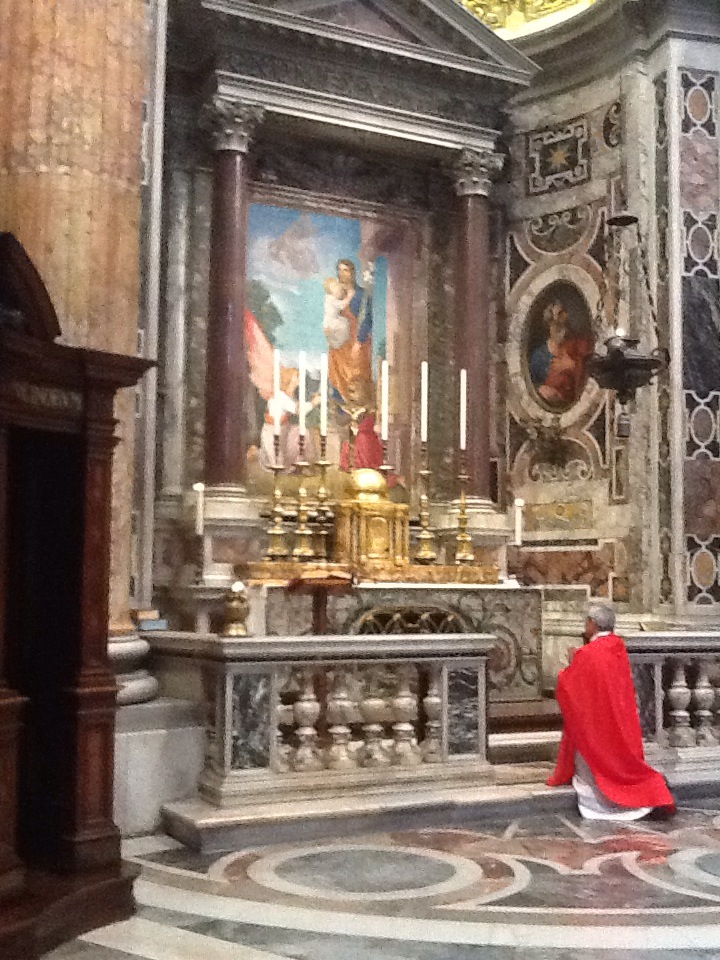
531 746
517 790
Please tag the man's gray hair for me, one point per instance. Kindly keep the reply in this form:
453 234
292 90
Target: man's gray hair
602 615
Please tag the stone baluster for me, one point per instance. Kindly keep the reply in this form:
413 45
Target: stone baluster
679 696
703 699
406 752
284 718
339 713
432 704
306 713
373 710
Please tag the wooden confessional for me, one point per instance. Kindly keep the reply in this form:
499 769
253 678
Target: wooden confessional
60 868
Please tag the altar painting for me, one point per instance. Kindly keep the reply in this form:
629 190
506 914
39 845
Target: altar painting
321 284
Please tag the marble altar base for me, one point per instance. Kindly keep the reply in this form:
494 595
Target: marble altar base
512 614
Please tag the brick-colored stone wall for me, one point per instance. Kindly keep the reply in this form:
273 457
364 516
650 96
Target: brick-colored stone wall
72 82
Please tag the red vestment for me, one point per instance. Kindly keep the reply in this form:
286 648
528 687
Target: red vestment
596 694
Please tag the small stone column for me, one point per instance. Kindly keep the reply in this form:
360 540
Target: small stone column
474 171
228 378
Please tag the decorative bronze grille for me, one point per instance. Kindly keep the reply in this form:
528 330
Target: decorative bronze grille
410 620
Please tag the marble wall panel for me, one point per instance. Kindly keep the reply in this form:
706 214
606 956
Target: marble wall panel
568 149
559 516
702 498
463 712
251 696
700 211
591 567
699 172
701 334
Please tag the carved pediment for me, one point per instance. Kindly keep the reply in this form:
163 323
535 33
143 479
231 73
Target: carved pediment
366 17
396 26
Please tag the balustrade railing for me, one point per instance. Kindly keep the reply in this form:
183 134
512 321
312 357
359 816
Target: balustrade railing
677 679
294 716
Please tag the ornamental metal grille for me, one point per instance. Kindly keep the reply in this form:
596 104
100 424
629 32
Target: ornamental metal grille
410 620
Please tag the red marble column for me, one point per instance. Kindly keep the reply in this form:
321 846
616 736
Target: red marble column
228 377
473 176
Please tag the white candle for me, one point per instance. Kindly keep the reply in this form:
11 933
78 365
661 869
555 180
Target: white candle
277 412
199 489
384 400
463 409
519 506
302 400
323 393
423 401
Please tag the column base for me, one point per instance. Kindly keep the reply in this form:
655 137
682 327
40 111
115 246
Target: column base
488 527
126 652
224 504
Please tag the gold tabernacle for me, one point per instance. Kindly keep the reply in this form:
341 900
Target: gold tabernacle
371 532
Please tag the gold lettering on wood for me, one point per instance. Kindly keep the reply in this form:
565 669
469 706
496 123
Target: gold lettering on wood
42 397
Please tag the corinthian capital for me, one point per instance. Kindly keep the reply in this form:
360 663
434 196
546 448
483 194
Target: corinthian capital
475 170
232 124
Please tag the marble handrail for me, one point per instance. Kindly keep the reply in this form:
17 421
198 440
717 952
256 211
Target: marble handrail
677 687
307 714
299 649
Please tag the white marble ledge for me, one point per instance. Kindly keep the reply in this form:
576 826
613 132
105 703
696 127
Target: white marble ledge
155 941
325 649
133 847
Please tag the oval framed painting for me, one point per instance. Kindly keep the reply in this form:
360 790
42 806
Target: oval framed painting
559 340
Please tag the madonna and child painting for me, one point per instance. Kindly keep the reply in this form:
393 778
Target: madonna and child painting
321 284
559 342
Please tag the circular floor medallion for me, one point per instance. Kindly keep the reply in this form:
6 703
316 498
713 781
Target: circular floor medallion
364 872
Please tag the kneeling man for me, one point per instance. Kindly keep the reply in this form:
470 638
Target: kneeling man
601 751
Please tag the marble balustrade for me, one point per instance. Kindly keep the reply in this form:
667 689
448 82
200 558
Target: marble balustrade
288 717
677 678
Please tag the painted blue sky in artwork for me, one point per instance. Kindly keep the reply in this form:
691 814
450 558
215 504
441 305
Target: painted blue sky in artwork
292 252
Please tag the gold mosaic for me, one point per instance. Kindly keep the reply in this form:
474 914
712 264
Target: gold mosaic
516 15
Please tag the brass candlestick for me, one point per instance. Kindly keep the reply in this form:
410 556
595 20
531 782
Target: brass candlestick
237 610
303 549
277 548
426 551
324 513
463 541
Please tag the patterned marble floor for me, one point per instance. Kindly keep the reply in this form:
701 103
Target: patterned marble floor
537 888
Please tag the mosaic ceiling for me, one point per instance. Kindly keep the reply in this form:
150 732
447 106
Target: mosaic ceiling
513 17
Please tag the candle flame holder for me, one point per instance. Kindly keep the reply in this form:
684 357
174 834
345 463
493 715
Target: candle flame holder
463 541
277 548
426 538
303 548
